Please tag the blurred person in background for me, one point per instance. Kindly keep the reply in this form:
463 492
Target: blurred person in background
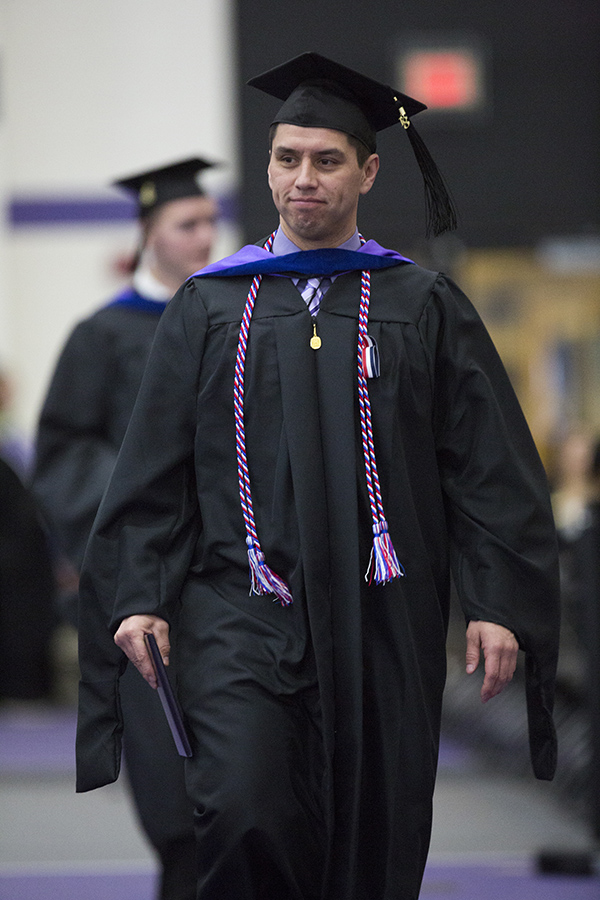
27 590
582 614
81 427
14 447
573 482
574 491
27 615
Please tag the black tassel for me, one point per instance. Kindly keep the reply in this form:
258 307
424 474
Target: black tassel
441 212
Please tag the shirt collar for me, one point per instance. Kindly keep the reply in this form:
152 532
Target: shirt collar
282 244
148 285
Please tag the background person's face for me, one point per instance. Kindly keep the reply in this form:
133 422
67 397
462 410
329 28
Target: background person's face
181 237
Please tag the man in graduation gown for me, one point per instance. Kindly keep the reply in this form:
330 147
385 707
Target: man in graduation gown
349 442
81 427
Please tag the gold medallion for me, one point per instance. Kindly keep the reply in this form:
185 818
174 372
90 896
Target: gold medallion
315 341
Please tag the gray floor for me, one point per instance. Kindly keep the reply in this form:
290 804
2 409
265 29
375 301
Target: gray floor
482 810
44 823
495 814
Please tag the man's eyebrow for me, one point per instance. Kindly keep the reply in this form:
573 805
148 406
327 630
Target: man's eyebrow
332 151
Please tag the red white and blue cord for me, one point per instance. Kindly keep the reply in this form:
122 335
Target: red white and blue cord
383 563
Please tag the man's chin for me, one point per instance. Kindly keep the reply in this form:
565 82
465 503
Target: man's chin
308 229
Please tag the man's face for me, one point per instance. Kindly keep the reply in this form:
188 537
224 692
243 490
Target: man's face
181 237
316 181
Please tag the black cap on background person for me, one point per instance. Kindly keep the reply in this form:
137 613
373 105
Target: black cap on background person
175 181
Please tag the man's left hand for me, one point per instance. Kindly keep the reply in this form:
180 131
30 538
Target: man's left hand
500 650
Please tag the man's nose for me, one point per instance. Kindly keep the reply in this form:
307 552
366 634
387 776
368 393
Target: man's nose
306 174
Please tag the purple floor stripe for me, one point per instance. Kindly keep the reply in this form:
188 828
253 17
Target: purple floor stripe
37 741
467 882
442 882
455 757
121 886
42 741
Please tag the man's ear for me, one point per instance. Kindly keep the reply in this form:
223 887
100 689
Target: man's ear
370 170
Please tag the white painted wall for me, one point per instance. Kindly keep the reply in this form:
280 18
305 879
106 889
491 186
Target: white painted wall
90 91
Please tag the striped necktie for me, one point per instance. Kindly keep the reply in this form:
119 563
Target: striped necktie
312 291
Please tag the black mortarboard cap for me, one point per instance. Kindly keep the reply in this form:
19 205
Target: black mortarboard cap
320 93
172 182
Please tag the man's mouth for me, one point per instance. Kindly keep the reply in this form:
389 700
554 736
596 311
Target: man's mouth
306 201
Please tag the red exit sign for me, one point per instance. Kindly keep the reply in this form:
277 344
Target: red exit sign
445 79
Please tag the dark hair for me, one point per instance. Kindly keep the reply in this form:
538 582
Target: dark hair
362 151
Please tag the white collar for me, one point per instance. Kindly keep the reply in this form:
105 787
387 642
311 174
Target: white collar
149 286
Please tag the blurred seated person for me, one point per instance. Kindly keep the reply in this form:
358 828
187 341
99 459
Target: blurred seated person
573 483
14 448
583 611
26 595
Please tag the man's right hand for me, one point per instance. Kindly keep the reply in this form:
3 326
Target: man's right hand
130 638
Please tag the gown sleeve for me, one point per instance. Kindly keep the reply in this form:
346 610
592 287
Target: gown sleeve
144 534
503 539
74 455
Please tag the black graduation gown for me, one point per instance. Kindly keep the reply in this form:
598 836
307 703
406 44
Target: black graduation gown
85 415
462 484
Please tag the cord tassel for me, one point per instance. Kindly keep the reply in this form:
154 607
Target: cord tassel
441 212
383 563
263 579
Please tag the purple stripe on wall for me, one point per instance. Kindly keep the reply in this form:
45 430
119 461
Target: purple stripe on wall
45 211
48 212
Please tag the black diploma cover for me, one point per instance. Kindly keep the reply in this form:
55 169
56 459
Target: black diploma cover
168 699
